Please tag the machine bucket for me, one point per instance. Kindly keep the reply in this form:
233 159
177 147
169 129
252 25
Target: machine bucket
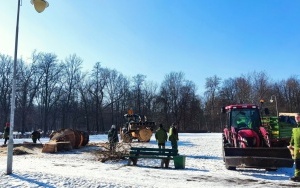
258 157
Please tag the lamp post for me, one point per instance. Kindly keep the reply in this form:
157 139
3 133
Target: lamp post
39 6
271 100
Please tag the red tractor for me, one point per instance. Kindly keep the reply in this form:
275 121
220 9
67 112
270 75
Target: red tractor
246 142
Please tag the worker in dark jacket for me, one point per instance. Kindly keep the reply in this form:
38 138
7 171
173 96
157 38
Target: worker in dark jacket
161 137
35 135
113 138
295 147
173 136
6 133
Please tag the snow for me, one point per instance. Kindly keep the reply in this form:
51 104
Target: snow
204 167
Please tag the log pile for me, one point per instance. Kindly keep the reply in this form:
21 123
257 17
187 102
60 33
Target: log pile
66 139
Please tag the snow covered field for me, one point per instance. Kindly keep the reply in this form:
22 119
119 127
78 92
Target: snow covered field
204 167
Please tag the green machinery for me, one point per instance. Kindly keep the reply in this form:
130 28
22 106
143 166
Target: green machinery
279 128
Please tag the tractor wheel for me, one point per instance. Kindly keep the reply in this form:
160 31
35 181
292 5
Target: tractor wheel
230 167
223 145
226 145
223 152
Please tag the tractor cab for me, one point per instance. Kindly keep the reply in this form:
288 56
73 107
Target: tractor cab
245 118
242 116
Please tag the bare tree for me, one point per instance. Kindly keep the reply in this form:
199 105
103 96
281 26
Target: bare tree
149 93
228 92
115 91
86 103
189 106
98 82
243 89
50 90
260 86
5 87
72 77
170 93
212 86
138 81
291 91
29 81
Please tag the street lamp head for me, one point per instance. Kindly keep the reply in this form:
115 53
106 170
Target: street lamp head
40 5
271 100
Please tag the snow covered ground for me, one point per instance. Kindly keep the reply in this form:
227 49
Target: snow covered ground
204 167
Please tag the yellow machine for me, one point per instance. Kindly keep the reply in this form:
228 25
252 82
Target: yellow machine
136 127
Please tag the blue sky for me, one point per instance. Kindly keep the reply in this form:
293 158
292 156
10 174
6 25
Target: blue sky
201 38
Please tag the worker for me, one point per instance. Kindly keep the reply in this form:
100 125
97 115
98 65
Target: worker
241 120
161 137
6 132
173 136
295 148
113 138
35 135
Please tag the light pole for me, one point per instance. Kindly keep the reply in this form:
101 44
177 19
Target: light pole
271 100
39 6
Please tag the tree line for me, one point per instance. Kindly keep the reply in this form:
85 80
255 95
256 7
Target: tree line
52 94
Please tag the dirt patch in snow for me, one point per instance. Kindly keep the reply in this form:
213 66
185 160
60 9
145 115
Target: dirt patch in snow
22 149
99 150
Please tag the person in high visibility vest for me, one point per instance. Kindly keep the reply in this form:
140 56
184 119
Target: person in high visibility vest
173 136
295 147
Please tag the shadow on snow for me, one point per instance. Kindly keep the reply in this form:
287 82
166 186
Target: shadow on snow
31 181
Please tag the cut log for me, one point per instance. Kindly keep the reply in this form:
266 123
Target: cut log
85 138
64 146
50 147
53 147
145 135
75 137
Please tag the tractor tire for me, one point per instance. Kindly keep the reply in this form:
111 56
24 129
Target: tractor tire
230 167
223 152
225 145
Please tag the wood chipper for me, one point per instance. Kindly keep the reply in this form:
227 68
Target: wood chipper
136 127
246 141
